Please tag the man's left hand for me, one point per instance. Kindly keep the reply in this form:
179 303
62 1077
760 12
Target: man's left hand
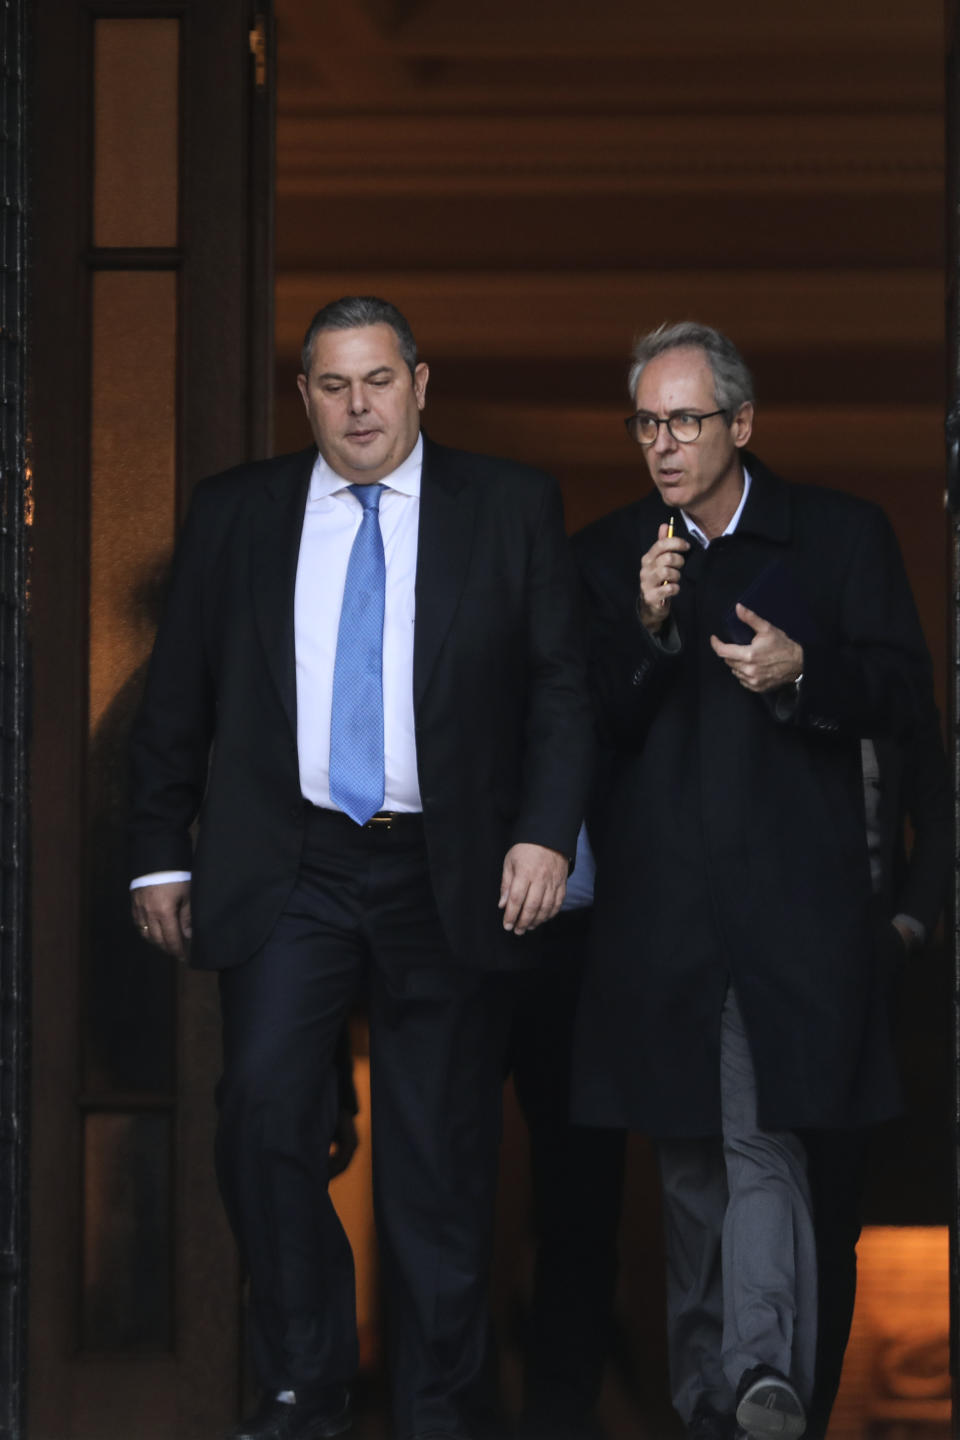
533 886
770 660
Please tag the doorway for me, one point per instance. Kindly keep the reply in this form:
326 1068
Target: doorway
533 184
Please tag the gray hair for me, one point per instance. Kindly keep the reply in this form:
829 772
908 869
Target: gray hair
352 312
732 381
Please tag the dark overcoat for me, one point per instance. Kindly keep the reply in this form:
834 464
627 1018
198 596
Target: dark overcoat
504 733
915 786
729 826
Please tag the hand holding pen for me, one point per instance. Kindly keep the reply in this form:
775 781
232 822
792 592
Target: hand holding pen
660 576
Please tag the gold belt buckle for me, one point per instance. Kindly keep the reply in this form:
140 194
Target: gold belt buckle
385 820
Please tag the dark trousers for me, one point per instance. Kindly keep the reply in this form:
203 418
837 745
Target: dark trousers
362 911
577 1175
837 1168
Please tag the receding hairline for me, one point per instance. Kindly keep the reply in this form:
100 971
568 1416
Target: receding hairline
691 349
688 348
360 312
733 386
401 363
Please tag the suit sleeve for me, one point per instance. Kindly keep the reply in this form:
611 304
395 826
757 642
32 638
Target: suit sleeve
173 732
867 679
558 730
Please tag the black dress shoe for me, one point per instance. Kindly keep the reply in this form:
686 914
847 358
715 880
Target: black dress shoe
707 1423
768 1407
435 1435
275 1419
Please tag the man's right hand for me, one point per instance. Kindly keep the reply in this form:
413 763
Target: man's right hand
162 915
660 578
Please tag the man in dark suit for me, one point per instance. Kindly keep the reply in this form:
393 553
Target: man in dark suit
368 684
904 784
736 997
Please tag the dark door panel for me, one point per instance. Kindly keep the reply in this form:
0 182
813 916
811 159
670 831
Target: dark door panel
151 366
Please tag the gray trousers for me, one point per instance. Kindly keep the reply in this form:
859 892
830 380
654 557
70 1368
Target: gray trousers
740 1249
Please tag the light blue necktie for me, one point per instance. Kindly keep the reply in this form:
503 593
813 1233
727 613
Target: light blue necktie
356 718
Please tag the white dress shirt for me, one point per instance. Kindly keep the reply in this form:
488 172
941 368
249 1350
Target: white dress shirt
694 529
330 524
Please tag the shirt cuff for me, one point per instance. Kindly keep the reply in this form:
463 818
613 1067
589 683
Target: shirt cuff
916 927
667 639
159 877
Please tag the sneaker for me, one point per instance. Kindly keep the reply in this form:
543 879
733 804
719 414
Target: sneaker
768 1407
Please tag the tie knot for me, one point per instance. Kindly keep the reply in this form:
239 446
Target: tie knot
368 495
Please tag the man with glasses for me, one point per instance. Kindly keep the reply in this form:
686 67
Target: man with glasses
745 634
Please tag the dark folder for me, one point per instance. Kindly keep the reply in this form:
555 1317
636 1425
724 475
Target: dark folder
775 595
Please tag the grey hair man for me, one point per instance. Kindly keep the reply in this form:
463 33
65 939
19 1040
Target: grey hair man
745 633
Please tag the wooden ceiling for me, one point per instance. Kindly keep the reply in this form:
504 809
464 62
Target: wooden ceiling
534 182
549 176
535 55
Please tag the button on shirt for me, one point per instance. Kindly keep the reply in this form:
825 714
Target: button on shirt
330 524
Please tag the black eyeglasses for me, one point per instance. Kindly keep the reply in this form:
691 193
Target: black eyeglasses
684 425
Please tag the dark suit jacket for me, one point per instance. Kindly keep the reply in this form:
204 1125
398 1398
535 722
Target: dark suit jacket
731 837
502 718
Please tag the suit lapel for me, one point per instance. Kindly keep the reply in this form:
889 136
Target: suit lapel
277 520
447 509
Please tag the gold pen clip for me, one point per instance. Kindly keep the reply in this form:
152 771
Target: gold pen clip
671 526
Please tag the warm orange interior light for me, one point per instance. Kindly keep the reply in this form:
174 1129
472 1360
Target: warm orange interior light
352 1194
896 1378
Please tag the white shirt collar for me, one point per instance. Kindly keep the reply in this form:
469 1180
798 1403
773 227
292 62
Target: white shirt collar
694 529
406 478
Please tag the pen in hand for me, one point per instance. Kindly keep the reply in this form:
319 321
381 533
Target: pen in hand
671 526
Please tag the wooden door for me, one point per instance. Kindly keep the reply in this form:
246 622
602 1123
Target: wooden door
151 366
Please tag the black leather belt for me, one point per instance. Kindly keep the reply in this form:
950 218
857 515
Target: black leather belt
383 820
394 820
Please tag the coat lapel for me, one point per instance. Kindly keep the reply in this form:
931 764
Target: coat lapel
277 520
447 512
767 511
